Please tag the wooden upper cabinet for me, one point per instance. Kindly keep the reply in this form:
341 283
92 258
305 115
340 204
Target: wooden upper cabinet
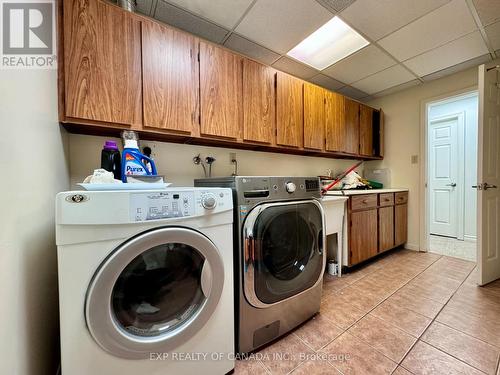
314 116
170 79
334 122
289 111
366 130
351 141
259 102
220 92
102 63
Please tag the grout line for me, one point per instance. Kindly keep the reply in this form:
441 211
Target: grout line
231 31
432 321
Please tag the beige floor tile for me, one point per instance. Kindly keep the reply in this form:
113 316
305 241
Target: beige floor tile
472 351
387 339
418 304
284 355
472 324
249 367
340 312
359 358
359 298
401 371
316 367
407 320
318 332
424 359
429 291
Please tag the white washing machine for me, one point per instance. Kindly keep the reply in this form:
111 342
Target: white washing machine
146 281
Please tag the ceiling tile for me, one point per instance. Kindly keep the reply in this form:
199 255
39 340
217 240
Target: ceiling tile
352 92
493 32
327 82
293 67
335 5
145 6
281 24
186 21
456 52
223 12
443 25
383 80
359 65
239 44
488 10
459 67
397 88
378 18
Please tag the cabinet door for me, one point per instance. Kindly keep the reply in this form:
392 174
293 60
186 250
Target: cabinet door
351 144
335 122
102 63
385 228
170 78
220 91
365 130
363 236
259 102
289 111
314 117
401 224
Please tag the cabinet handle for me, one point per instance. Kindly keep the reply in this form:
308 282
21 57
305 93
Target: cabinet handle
365 201
387 200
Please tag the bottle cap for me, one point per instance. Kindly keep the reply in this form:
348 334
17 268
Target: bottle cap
110 145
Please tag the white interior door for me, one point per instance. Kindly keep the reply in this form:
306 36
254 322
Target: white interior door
443 175
489 175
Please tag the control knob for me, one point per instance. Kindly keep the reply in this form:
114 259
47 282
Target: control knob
290 187
208 201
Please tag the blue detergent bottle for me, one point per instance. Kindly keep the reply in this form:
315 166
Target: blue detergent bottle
133 161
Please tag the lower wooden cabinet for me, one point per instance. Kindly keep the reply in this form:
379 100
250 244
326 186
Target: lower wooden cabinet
401 224
377 223
362 241
385 228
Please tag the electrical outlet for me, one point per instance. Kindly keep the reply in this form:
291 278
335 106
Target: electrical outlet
232 157
414 159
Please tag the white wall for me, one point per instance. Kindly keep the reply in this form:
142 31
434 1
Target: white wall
35 168
175 161
469 106
403 123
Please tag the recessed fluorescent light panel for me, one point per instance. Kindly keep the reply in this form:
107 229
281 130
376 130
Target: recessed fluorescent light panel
330 43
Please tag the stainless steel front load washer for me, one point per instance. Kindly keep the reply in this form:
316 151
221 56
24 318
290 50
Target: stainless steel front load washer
279 257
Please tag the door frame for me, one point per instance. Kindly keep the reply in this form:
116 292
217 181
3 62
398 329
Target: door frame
424 205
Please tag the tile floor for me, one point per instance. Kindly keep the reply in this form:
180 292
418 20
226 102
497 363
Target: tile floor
404 313
453 247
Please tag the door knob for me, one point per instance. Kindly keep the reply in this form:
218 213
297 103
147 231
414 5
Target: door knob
487 186
453 184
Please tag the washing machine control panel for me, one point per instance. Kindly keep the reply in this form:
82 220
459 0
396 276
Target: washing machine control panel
161 205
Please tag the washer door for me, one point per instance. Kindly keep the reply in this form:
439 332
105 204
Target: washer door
283 244
154 292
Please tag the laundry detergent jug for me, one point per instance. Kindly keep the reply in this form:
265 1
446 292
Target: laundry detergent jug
134 163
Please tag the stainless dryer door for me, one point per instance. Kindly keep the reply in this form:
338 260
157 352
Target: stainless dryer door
283 251
154 292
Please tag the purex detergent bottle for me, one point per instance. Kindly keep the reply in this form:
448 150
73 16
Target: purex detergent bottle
133 162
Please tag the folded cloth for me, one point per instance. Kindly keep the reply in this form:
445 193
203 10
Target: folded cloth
101 176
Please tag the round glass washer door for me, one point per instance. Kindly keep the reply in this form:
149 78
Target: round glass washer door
154 292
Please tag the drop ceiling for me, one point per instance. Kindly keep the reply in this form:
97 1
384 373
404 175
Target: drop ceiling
410 41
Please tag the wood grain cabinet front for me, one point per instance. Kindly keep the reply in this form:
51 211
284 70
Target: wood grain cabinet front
220 92
170 79
351 129
102 63
334 122
366 131
363 236
289 111
385 228
259 102
314 117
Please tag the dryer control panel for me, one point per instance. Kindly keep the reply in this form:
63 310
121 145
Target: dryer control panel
161 205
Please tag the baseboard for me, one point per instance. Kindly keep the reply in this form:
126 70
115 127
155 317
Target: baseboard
411 246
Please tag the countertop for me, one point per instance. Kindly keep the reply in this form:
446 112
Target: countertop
359 192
